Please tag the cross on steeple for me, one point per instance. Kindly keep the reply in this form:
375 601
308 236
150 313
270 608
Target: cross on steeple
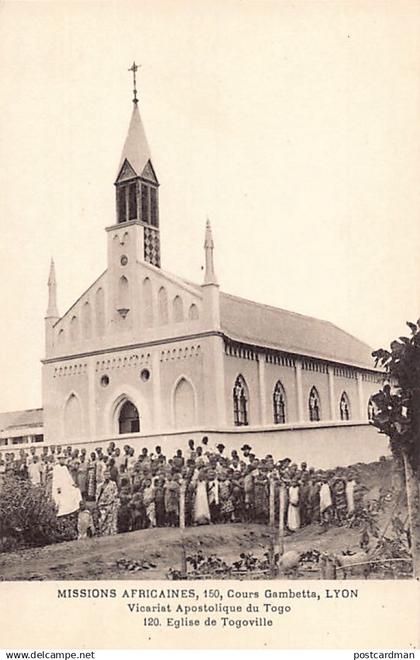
134 67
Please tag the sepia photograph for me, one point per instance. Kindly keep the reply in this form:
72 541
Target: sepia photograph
210 291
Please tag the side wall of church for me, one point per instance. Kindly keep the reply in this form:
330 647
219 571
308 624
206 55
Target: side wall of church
330 381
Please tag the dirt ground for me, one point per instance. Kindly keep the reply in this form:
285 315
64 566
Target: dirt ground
96 558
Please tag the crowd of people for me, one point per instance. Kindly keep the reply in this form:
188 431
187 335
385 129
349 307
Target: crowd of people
111 490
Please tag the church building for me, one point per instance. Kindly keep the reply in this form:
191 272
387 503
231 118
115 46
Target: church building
146 358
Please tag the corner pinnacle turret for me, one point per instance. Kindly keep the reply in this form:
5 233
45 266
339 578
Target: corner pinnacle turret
52 310
209 275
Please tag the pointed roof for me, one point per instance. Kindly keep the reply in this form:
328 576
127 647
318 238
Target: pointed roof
136 149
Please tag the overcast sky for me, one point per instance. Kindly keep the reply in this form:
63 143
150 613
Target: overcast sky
294 126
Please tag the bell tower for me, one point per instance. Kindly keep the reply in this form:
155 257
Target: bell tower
137 187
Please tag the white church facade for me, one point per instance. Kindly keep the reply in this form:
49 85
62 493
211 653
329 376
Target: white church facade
144 357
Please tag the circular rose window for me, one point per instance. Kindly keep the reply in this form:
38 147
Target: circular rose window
105 381
124 260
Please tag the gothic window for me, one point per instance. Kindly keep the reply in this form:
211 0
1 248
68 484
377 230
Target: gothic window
74 328
178 309
61 337
132 201
314 406
344 407
240 402
163 306
193 312
154 220
371 410
86 320
123 294
128 419
147 303
279 404
145 203
121 205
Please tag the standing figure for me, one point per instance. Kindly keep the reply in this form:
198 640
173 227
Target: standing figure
340 499
149 503
172 501
65 493
249 494
350 486
213 496
160 501
293 517
91 478
85 526
82 475
325 502
201 514
225 496
304 499
108 504
261 498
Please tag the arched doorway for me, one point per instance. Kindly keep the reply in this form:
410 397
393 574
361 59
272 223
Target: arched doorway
128 418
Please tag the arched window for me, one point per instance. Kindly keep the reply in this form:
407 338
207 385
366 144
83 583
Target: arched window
100 311
61 337
371 410
193 312
344 407
86 320
279 404
72 418
74 328
147 303
240 402
314 406
128 419
123 293
163 306
178 309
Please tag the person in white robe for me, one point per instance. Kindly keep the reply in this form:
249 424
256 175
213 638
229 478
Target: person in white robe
65 493
350 486
293 516
325 502
201 502
34 471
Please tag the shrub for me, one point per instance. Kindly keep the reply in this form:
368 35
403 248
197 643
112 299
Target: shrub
27 515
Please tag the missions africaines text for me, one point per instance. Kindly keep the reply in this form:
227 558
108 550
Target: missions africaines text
180 593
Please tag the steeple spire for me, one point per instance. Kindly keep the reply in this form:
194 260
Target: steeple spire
210 275
136 149
52 311
136 188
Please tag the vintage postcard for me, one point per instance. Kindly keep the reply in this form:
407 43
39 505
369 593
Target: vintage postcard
209 220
